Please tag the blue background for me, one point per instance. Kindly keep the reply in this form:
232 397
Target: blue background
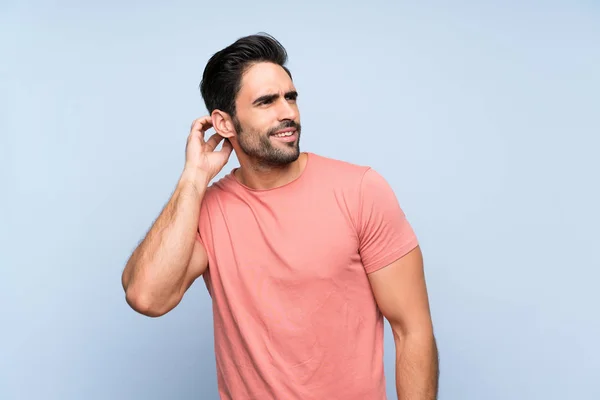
483 116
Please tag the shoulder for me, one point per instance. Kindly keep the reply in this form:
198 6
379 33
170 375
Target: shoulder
215 196
354 180
338 171
337 164
216 190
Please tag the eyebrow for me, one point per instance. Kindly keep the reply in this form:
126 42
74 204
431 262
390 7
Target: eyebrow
271 97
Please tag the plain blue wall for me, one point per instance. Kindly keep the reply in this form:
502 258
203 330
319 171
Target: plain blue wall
484 118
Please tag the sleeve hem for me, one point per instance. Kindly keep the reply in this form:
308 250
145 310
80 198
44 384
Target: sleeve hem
391 257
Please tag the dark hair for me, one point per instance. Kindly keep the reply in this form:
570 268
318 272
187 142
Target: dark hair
223 73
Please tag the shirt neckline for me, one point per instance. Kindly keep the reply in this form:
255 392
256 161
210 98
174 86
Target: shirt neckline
234 179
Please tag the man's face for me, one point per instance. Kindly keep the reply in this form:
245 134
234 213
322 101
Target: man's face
267 120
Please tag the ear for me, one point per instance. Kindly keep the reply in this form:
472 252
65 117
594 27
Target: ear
222 124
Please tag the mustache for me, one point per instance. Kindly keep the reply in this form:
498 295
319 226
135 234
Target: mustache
284 125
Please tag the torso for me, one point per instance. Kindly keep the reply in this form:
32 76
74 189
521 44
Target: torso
294 315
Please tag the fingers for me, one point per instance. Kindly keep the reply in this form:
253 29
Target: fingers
200 126
227 147
200 123
213 141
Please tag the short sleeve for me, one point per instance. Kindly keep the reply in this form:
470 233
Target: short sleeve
385 235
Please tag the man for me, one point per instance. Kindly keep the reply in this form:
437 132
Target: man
302 255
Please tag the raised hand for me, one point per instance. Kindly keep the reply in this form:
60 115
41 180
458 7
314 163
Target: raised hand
200 155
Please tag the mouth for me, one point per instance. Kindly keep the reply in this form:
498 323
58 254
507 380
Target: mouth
286 135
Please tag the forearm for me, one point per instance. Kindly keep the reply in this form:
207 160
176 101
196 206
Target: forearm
157 268
417 367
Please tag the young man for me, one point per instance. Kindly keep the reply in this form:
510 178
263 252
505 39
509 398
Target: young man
302 254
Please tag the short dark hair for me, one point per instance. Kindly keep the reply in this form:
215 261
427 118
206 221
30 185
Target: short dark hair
221 80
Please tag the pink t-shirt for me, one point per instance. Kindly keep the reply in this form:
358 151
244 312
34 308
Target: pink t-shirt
294 314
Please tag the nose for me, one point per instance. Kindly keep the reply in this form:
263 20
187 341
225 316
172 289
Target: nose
287 110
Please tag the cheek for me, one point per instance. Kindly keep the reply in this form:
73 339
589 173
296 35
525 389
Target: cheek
267 119
264 121
260 121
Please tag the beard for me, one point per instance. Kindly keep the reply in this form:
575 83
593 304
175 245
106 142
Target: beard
259 146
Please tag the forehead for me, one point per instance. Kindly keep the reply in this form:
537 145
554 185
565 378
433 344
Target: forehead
264 78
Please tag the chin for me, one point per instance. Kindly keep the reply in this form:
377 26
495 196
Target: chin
284 158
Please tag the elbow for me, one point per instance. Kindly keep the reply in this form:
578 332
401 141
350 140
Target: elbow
421 340
143 302
418 332
145 296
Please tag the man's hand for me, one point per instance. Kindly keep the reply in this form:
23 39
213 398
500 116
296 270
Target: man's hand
200 155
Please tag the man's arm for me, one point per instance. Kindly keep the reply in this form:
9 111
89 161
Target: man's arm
401 294
170 257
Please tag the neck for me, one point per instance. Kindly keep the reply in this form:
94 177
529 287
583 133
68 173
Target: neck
261 177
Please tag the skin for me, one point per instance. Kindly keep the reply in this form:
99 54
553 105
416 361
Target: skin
259 168
401 295
170 259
